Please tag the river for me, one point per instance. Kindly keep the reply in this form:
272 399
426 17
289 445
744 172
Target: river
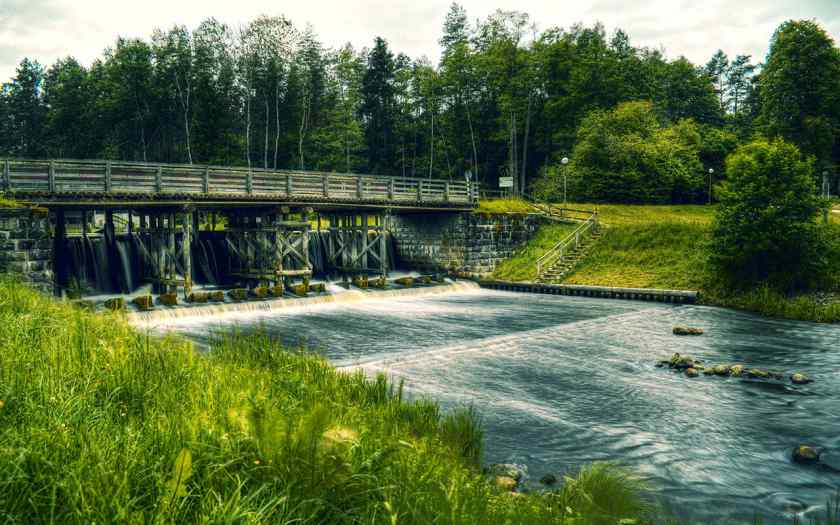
564 381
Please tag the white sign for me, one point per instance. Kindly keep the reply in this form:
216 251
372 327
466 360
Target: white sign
506 182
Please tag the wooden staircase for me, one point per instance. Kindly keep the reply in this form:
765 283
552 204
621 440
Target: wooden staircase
561 259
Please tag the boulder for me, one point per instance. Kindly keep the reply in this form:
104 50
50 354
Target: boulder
800 379
379 282
276 291
709 371
758 373
238 294
548 479
806 455
408 282
298 289
505 483
144 302
722 370
217 296
361 281
260 292
736 370
681 362
685 330
168 299
318 287
115 304
507 470
691 372
198 297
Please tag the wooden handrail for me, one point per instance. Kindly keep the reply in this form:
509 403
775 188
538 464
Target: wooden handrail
70 176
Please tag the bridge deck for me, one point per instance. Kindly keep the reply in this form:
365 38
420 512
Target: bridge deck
80 182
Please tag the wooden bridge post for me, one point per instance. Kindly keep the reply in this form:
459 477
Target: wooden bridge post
249 183
7 175
391 189
159 179
363 242
51 176
206 181
187 252
108 176
383 247
325 182
173 269
110 240
359 192
59 252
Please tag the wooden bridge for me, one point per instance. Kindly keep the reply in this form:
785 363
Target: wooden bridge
265 216
85 182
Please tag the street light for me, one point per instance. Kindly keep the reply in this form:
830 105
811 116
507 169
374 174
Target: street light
711 172
826 185
564 161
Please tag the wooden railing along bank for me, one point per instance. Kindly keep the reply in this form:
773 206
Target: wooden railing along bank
103 179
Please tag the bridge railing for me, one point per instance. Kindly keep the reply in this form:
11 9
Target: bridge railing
88 177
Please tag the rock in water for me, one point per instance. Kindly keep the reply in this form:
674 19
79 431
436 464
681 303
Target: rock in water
508 470
800 379
506 483
691 372
685 330
708 371
806 455
736 370
722 370
758 373
548 479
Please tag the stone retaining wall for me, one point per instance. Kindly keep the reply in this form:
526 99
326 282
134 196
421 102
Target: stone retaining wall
26 248
470 242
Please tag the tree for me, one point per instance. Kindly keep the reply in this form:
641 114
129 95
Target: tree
800 88
765 227
377 109
68 96
738 84
26 110
717 68
689 93
627 155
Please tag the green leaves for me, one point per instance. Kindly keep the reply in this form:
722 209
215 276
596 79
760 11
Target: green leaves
176 486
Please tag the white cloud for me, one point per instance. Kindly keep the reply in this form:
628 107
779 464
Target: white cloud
49 29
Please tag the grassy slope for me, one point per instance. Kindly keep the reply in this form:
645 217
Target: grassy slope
101 424
521 266
664 247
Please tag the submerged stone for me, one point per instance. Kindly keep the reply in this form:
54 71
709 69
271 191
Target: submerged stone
405 281
758 373
169 299
708 371
691 372
805 455
736 370
685 330
548 479
800 379
115 304
144 302
198 297
722 370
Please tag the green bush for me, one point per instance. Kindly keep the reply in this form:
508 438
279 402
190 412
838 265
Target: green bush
766 225
626 155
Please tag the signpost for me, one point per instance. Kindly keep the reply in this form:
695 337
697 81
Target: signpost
506 182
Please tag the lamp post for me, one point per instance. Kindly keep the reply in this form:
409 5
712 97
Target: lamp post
564 161
826 186
711 172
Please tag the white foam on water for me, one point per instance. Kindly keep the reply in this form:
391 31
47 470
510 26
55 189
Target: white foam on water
208 314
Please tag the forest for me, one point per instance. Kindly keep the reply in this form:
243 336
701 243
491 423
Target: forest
502 99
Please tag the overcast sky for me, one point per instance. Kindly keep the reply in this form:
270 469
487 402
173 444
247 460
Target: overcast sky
49 29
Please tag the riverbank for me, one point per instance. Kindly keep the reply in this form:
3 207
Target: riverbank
665 247
99 422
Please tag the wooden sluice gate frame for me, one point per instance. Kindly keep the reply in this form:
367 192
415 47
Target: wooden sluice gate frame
353 241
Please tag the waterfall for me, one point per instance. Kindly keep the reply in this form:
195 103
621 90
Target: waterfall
250 309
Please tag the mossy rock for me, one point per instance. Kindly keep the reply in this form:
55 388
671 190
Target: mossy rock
800 379
379 282
318 287
238 294
169 299
758 373
298 289
260 292
144 302
685 330
115 304
276 291
425 279
709 371
736 370
505 483
806 455
722 370
408 282
217 296
361 282
691 372
198 297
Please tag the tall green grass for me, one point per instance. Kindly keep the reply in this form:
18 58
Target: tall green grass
102 424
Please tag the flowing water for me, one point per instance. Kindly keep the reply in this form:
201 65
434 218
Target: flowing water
564 381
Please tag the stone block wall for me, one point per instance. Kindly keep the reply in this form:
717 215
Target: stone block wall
26 246
469 242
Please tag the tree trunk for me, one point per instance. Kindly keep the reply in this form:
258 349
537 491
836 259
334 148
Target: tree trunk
472 140
276 120
432 147
525 145
265 138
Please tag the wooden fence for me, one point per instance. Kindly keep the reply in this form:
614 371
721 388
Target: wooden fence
85 178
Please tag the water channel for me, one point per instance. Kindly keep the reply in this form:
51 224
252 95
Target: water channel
564 381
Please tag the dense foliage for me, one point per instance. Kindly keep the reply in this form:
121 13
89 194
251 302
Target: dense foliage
766 226
627 155
500 100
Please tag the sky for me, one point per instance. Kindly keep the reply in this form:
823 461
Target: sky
46 30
